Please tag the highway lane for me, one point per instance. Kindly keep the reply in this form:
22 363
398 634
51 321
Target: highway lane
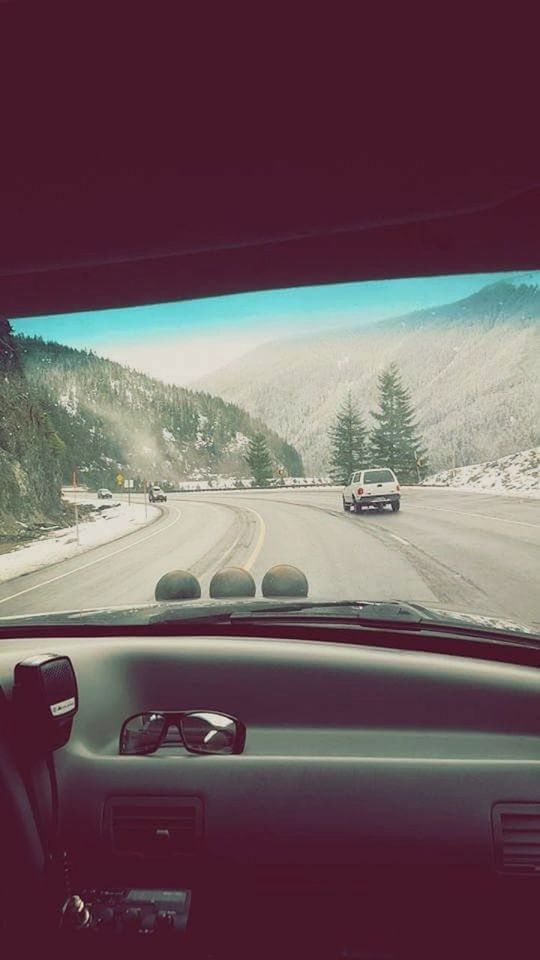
467 551
201 537
472 552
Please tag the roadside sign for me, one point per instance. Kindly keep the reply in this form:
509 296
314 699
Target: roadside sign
120 479
76 506
128 485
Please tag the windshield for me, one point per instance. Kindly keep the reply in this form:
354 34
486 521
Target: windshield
381 437
378 476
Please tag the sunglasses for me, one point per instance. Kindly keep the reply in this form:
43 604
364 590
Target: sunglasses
197 730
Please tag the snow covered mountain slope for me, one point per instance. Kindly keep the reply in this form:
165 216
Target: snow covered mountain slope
471 367
518 475
110 418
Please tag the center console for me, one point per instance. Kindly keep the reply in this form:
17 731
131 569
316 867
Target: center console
141 913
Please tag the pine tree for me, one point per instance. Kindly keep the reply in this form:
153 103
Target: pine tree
348 442
394 441
259 460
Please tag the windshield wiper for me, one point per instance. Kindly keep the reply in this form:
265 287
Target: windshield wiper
393 614
334 609
346 609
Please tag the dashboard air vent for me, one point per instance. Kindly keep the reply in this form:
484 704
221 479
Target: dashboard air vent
154 827
516 831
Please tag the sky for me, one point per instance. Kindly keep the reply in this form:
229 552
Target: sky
183 341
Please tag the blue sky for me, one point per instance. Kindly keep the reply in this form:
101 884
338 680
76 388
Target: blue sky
179 342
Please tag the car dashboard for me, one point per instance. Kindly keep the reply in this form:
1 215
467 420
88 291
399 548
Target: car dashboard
386 802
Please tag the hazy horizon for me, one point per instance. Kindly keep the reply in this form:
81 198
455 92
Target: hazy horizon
184 341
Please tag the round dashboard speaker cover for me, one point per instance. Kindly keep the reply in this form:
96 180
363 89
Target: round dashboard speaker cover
284 580
232 582
178 585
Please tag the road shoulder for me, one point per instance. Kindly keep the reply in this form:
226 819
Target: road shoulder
112 524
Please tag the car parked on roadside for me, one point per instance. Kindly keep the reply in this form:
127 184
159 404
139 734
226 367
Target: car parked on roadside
104 494
374 488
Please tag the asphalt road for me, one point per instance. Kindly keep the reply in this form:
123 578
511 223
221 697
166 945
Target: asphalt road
466 551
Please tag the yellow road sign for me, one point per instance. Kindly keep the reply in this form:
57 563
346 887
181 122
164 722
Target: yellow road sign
120 479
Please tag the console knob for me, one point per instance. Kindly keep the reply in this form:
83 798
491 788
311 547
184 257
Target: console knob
132 918
76 913
165 920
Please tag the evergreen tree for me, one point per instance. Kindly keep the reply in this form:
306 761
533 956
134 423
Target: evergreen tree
259 460
395 442
348 442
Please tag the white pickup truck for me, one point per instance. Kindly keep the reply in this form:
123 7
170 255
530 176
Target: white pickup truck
372 488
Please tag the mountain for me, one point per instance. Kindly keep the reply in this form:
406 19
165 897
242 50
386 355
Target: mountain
471 367
502 302
30 451
112 419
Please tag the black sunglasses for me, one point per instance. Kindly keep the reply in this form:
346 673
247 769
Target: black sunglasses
199 731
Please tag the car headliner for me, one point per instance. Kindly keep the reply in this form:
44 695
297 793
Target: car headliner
139 166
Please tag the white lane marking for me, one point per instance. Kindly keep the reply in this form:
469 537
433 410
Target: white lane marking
91 563
260 540
401 540
484 516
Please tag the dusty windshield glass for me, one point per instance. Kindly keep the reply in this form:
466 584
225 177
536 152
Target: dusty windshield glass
381 437
378 476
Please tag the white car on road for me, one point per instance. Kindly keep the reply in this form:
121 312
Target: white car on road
156 495
372 488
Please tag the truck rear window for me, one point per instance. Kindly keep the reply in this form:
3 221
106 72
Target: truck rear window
378 476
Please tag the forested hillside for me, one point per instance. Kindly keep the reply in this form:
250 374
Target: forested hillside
113 419
471 368
30 450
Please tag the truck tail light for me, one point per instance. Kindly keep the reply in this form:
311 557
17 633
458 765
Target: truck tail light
397 487
360 491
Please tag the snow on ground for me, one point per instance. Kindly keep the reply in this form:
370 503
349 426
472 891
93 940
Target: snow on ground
109 524
517 475
233 483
